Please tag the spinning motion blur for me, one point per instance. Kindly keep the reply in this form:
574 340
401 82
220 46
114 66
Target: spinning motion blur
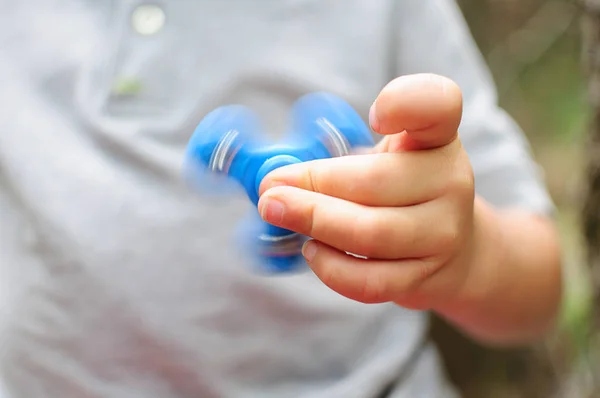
227 148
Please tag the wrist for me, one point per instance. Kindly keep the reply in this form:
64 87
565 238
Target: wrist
511 289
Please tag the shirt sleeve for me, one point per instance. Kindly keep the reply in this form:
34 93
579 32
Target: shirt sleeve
433 37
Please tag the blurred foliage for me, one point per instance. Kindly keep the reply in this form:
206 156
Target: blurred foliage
533 48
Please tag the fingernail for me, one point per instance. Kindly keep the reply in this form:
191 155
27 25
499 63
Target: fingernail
272 211
373 121
309 250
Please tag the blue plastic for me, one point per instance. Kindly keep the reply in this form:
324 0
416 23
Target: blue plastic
227 149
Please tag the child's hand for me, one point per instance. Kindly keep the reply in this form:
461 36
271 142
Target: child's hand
407 207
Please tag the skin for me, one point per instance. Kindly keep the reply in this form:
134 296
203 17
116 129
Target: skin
426 240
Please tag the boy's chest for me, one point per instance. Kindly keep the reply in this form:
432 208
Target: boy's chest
117 87
112 90
166 64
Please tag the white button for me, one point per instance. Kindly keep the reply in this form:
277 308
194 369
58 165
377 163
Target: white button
148 19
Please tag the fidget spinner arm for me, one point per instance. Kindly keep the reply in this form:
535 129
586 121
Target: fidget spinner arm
227 148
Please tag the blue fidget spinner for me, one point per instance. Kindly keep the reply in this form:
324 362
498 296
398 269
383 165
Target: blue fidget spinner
228 151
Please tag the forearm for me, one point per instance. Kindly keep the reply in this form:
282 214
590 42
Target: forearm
513 289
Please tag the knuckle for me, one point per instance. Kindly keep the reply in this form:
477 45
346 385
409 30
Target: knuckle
327 274
370 234
312 179
412 229
323 179
373 288
310 221
448 235
414 284
425 270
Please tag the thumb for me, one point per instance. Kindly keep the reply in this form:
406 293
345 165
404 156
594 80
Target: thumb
425 109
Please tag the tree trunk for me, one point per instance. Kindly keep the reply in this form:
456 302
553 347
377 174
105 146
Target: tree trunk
588 376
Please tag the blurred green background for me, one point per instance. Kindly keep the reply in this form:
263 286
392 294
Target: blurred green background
534 50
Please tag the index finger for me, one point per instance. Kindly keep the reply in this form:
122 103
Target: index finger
384 179
425 108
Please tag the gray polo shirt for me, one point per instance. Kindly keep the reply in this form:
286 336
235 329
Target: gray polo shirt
116 281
